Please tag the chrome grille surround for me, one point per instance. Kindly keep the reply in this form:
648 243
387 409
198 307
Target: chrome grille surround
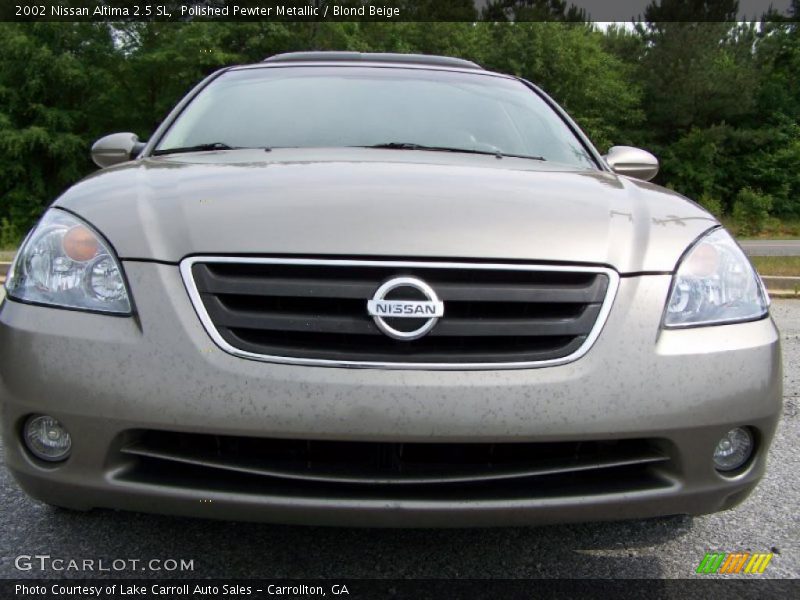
188 263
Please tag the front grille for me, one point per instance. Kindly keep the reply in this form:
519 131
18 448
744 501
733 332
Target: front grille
316 311
396 470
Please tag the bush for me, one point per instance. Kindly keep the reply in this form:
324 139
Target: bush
711 204
751 211
10 236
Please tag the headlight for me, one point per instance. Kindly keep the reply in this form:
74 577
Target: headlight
715 283
64 262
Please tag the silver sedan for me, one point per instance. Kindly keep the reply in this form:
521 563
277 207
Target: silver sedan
383 290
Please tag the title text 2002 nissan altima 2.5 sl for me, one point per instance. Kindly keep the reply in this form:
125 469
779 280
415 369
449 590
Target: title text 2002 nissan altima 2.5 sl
386 290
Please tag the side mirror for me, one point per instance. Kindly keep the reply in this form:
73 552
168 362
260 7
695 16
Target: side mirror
633 162
116 148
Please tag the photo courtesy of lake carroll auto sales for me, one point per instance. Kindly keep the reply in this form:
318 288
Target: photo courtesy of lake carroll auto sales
399 299
182 590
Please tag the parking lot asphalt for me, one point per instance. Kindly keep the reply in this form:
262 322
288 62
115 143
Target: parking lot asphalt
672 547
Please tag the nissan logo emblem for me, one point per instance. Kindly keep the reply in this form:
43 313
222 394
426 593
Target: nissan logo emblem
403 302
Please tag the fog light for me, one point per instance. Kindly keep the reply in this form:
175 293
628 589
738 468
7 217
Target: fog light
733 449
46 438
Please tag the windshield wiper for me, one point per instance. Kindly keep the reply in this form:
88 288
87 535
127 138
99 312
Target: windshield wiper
412 146
197 148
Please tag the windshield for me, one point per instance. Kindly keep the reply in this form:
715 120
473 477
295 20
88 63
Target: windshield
306 107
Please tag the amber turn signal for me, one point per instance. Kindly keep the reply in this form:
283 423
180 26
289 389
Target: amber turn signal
80 244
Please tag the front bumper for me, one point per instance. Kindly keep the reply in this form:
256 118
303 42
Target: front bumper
104 377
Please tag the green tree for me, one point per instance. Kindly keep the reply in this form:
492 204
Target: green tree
56 88
569 62
695 75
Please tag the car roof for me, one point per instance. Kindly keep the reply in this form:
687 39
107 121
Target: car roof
374 57
371 59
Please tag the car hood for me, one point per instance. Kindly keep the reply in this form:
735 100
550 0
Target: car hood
384 203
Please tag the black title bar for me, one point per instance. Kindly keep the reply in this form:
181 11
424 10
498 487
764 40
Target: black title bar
397 589
399 10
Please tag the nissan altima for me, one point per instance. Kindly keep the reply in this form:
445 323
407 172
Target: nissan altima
383 290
